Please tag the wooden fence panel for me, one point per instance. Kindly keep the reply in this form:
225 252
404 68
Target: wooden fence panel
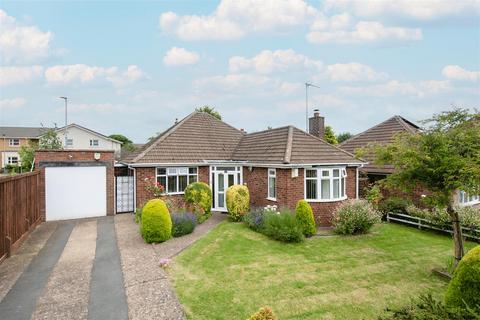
19 210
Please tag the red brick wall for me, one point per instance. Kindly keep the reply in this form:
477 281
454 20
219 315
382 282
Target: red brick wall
290 190
107 158
143 196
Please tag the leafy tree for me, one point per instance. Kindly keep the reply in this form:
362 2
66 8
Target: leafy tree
27 155
344 136
444 158
49 140
127 144
330 135
210 111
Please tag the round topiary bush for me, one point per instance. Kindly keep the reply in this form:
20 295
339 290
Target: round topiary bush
354 217
304 214
464 288
238 201
198 197
156 223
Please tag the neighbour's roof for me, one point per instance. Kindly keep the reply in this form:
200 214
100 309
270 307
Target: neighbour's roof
21 132
289 145
201 137
196 138
382 133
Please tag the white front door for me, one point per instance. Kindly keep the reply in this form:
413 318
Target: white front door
223 177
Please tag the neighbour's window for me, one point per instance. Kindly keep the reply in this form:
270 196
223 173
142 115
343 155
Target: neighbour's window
69 142
176 179
272 182
325 184
93 143
12 160
467 199
14 142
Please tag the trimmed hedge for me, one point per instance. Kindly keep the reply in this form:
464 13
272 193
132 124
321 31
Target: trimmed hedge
198 197
156 223
464 288
304 214
282 226
183 223
238 201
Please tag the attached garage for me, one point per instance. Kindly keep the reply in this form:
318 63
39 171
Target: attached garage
75 192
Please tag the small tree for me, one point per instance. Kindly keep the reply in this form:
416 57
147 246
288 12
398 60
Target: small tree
49 140
330 135
210 111
344 136
444 158
127 144
27 155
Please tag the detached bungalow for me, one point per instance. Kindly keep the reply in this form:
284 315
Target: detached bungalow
280 166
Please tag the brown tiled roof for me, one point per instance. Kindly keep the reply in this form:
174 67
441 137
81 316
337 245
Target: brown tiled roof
201 137
382 133
196 138
21 132
289 145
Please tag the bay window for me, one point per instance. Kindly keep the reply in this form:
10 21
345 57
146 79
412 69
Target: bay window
176 179
272 182
325 184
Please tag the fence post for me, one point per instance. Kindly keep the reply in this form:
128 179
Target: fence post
388 216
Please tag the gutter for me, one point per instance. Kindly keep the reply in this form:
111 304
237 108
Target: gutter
244 163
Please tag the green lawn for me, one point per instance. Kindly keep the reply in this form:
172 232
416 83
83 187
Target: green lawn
233 271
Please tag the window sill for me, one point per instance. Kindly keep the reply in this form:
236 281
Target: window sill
468 204
326 200
173 193
272 199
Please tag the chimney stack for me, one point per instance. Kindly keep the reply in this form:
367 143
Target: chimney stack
316 125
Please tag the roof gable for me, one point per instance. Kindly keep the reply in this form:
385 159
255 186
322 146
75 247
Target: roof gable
86 130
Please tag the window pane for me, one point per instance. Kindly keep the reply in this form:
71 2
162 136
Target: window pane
182 183
221 200
182 170
238 178
213 187
162 181
231 180
336 188
336 172
192 170
161 171
221 185
271 172
311 189
172 170
325 189
192 179
311 173
342 187
271 189
172 184
325 173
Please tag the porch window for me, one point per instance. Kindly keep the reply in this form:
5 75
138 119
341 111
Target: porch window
176 179
325 184
272 183
14 142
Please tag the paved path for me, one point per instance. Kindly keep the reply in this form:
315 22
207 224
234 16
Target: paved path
92 269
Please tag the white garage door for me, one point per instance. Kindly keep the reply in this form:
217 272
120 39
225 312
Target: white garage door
75 192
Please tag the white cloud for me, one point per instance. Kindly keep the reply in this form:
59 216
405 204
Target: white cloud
180 57
455 72
233 19
22 43
231 82
421 10
12 103
269 61
363 32
65 74
391 88
353 72
14 75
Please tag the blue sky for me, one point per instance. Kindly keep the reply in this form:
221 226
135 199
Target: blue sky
132 67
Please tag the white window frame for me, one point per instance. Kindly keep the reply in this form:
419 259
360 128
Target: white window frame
10 160
319 171
272 174
175 172
92 143
464 199
67 140
14 142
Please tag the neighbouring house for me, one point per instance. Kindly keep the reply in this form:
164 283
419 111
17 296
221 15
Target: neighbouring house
72 136
12 138
280 166
384 133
